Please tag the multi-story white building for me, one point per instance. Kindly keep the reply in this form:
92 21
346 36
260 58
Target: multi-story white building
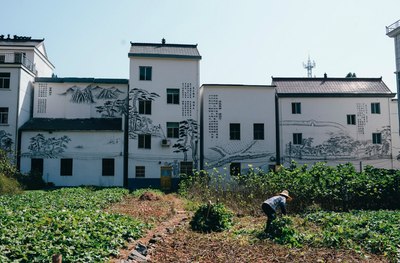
76 135
21 60
337 120
148 129
163 116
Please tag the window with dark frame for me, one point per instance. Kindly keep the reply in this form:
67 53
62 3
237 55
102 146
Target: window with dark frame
140 171
375 108
297 138
351 119
66 167
258 131
144 141
172 96
3 115
5 80
172 129
186 168
145 73
376 138
234 169
145 107
296 108
234 131
108 167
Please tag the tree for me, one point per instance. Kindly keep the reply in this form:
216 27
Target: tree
188 137
351 75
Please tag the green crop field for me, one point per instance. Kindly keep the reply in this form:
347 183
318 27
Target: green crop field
37 224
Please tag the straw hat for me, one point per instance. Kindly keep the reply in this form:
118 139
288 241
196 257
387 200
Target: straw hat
285 193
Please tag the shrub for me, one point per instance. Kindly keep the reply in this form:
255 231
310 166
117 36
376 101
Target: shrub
8 185
283 232
211 218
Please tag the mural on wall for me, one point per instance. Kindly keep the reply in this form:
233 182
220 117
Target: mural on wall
87 95
111 107
245 153
139 124
188 139
214 115
340 145
42 147
188 99
5 141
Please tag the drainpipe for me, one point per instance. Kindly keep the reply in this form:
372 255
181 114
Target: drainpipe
277 130
126 142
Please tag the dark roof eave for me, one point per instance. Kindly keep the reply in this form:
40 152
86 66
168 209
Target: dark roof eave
145 55
82 80
163 45
314 95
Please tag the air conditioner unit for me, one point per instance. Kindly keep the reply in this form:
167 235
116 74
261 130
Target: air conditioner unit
165 142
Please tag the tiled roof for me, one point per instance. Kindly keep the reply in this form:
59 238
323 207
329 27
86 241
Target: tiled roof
315 87
92 124
82 80
164 50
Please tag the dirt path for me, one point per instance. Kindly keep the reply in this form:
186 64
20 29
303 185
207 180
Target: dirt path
165 212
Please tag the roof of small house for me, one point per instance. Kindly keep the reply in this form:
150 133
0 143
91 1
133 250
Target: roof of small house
82 80
91 124
331 87
164 50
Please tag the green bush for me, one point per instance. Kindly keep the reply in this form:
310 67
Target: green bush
8 185
283 232
211 218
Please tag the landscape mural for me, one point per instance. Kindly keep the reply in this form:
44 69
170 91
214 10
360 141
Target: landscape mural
42 147
5 141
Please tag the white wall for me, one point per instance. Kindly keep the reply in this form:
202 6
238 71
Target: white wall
323 122
59 100
246 105
87 149
167 73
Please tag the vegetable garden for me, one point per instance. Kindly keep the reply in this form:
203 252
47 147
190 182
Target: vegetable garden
37 224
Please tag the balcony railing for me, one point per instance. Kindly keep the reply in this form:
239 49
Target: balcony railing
17 58
392 27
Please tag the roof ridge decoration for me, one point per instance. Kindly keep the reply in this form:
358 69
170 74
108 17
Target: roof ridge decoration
18 38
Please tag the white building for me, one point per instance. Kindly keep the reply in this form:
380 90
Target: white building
237 127
76 135
163 118
337 120
21 60
148 129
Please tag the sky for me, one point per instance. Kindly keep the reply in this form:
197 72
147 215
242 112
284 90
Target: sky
241 42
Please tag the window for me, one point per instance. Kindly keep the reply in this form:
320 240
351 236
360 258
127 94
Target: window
172 96
37 166
140 171
145 107
296 108
145 73
377 138
2 58
5 80
375 108
297 138
258 131
108 167
3 115
351 119
144 141
234 168
173 129
66 167
234 131
186 168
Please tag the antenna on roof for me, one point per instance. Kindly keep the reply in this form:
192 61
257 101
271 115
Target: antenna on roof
309 66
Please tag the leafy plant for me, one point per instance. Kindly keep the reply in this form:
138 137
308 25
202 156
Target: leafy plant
211 218
283 232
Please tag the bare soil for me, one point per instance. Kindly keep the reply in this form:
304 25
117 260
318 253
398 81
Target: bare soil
172 240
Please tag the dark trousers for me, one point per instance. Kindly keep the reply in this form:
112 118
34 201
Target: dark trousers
271 214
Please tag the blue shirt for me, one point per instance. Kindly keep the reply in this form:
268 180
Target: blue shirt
277 201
